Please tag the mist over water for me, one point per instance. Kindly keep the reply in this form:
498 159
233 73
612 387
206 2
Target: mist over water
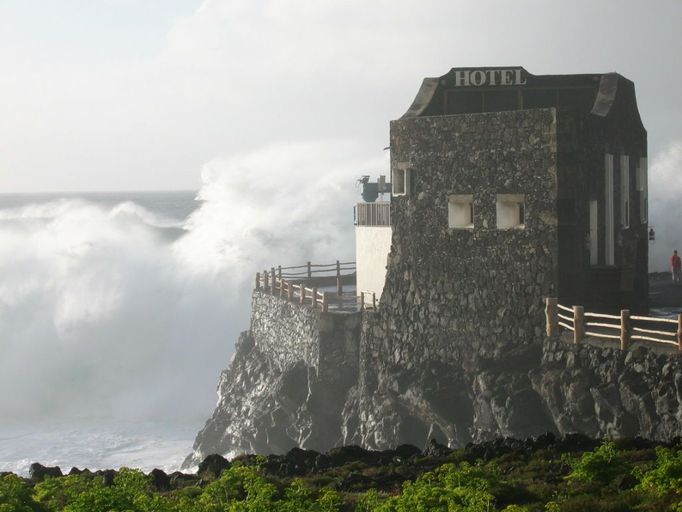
112 310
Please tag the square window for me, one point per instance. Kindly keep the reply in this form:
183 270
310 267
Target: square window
461 211
511 211
400 181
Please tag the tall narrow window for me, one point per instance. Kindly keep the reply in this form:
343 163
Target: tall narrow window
461 211
609 257
642 186
594 232
400 180
511 211
624 191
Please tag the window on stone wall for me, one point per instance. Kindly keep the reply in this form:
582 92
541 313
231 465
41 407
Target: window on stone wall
401 180
461 211
511 211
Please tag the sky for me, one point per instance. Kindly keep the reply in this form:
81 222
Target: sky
112 95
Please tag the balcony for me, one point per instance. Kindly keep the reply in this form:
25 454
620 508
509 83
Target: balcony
373 214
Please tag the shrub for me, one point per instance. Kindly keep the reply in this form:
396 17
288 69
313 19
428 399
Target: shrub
15 496
599 466
666 476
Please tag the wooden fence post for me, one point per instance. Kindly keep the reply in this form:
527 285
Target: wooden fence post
313 302
257 280
281 286
302 297
551 318
325 302
310 272
624 329
679 332
339 287
279 271
338 268
578 324
374 301
289 290
266 281
362 301
274 280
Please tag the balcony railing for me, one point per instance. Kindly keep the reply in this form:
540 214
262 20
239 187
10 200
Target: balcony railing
373 214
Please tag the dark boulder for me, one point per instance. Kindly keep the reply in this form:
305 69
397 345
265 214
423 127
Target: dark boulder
300 462
406 451
577 442
179 480
213 466
353 453
436 449
160 480
544 441
108 475
37 472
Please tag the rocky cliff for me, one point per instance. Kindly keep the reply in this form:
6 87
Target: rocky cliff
456 350
303 378
286 384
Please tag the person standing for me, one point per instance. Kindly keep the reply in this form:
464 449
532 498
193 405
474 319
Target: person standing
676 265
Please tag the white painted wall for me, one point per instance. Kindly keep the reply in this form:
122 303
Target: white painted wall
372 245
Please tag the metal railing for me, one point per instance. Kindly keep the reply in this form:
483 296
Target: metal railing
373 214
624 328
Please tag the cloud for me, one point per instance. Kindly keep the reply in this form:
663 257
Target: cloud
115 310
238 75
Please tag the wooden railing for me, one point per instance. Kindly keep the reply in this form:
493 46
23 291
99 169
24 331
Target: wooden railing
290 283
624 328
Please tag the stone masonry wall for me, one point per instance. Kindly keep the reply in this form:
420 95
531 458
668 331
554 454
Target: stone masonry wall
287 331
287 383
445 316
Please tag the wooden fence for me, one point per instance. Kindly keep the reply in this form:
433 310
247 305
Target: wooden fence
290 283
624 328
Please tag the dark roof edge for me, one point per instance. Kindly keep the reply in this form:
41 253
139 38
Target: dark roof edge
423 97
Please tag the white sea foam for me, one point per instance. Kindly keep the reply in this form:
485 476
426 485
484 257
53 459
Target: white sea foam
102 314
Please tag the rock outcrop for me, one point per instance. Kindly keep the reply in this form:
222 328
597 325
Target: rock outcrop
327 384
287 383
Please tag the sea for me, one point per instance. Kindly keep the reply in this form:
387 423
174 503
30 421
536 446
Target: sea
65 398
118 311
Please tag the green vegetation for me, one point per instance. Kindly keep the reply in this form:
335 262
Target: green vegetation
615 476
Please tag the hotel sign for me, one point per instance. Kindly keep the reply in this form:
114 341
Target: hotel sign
488 77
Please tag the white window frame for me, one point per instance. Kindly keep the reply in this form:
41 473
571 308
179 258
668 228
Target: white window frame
401 180
510 206
461 211
609 249
624 191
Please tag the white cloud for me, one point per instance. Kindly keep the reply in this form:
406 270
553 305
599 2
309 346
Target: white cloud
237 75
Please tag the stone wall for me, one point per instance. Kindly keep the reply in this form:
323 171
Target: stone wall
287 383
445 316
287 331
